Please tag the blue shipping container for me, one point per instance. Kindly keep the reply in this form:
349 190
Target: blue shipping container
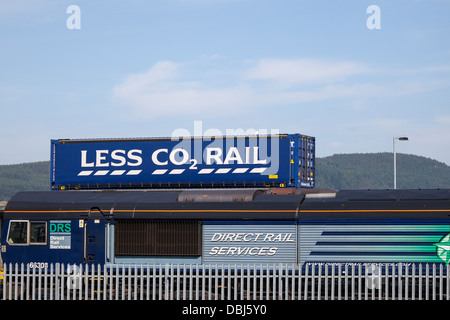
249 161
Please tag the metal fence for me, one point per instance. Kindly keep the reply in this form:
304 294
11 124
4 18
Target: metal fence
226 282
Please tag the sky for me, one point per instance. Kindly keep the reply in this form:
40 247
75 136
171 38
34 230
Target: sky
352 73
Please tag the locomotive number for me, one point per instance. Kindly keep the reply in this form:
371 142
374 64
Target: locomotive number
37 265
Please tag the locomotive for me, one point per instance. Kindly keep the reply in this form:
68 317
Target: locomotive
226 226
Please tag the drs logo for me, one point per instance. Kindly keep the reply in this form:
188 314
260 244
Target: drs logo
60 227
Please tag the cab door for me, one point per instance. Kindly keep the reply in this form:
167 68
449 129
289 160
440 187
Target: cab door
94 239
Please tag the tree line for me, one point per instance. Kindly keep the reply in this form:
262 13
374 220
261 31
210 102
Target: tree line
340 171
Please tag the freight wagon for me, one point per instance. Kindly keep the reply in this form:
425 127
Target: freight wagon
239 226
285 160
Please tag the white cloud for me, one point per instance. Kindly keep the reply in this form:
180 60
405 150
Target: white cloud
211 87
161 91
162 72
170 88
304 71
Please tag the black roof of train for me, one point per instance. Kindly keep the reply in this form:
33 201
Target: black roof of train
259 204
188 204
420 203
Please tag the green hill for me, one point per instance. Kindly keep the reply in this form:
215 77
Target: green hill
376 171
340 171
32 176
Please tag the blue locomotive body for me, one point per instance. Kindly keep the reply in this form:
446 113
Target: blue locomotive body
239 226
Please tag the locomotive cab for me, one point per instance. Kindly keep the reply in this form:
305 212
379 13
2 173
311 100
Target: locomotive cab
37 237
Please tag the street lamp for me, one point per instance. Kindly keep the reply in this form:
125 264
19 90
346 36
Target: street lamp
395 158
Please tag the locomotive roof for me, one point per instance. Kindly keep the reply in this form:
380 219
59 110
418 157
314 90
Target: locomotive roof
190 204
229 204
420 203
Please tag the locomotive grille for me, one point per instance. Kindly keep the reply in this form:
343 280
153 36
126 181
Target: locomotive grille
158 238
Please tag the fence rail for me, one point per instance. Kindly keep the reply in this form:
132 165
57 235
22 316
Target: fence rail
226 282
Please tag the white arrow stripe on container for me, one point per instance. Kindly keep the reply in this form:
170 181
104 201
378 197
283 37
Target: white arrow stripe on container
205 171
133 172
85 173
101 173
258 170
240 170
160 171
117 172
176 171
224 170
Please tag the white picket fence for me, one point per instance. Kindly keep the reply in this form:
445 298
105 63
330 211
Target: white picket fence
226 282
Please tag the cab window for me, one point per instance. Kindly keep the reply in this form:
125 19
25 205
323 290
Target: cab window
38 234
23 232
18 232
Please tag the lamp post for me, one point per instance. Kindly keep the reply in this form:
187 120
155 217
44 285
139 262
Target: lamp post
395 158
